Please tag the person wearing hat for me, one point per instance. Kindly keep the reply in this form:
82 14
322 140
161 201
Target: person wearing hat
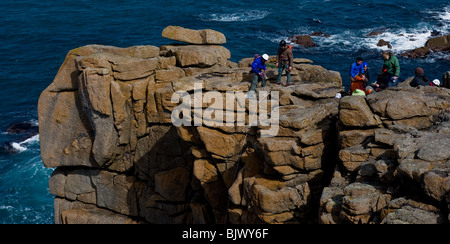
259 71
285 61
420 79
358 83
366 72
436 82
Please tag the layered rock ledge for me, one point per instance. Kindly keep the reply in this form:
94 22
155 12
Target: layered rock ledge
394 160
106 125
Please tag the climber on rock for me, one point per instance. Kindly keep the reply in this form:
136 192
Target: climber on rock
285 61
259 72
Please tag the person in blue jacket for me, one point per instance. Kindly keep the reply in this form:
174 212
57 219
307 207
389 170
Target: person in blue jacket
259 71
356 69
366 72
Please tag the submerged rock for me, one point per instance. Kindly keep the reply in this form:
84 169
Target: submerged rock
383 43
23 128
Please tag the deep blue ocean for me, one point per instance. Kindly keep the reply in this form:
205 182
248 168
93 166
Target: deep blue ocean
35 37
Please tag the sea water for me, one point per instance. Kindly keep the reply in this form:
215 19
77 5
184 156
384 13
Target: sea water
35 36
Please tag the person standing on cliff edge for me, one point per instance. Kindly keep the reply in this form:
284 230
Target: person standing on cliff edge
259 73
285 61
391 68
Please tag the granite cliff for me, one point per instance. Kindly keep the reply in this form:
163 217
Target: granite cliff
106 125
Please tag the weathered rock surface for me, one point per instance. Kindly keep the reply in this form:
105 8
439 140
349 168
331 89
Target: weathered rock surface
106 125
393 170
382 43
302 40
439 44
435 44
208 36
446 80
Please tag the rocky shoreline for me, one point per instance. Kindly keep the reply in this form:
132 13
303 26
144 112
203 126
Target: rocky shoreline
105 124
435 44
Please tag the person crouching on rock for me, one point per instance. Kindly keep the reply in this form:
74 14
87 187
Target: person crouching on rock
358 83
356 69
391 68
366 72
420 79
259 72
285 60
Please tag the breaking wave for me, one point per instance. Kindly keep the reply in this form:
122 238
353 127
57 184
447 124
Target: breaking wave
235 17
22 146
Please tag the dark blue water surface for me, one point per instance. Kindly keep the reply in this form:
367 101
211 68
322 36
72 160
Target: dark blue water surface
35 36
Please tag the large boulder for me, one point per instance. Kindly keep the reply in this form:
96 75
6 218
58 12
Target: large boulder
439 44
446 80
355 112
181 34
435 44
382 43
66 137
278 202
203 56
302 40
404 211
221 144
361 201
105 123
417 53
392 143
307 73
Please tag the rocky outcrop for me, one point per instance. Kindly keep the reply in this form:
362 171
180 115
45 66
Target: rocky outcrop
382 43
435 44
439 44
181 34
320 33
394 159
446 80
106 124
302 40
376 32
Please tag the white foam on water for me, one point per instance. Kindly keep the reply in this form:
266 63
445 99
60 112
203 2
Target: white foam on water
31 139
34 122
6 207
445 16
236 16
19 146
441 19
402 40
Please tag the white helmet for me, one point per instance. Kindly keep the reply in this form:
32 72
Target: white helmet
436 82
265 57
